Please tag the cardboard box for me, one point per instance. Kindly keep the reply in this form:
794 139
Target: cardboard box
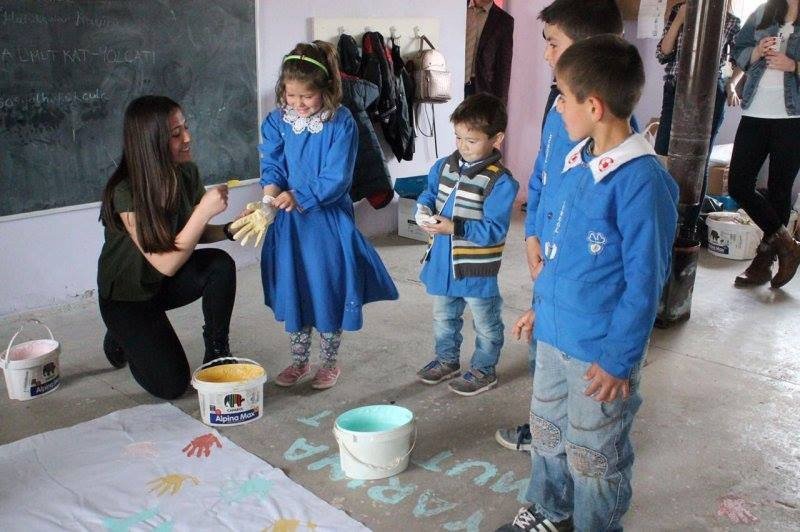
406 226
718 181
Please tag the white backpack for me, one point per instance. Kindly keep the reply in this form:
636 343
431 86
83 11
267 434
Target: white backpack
431 76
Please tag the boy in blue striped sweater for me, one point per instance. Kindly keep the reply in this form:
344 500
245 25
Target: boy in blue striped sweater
466 209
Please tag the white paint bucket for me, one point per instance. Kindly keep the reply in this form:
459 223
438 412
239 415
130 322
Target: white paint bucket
31 368
729 238
375 441
230 394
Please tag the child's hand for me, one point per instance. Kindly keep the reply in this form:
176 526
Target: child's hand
523 328
285 201
443 226
604 387
533 251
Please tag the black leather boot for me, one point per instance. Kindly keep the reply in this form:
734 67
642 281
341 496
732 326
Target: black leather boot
216 345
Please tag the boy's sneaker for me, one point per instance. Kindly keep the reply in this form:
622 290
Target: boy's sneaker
474 382
518 439
436 371
528 519
293 374
325 377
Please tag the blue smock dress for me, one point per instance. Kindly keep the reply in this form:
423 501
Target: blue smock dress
317 269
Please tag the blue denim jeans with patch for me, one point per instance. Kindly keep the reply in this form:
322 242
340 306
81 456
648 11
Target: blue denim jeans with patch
487 321
581 452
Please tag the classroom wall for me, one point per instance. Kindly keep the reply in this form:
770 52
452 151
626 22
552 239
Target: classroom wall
50 257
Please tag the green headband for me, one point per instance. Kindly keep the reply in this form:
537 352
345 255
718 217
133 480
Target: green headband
308 60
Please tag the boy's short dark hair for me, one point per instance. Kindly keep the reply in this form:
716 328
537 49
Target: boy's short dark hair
580 19
607 67
483 112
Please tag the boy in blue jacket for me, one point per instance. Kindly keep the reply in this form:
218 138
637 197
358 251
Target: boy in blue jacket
607 231
565 22
466 209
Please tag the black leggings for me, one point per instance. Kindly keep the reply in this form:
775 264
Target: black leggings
141 328
755 139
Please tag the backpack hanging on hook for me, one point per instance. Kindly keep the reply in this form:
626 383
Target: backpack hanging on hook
431 75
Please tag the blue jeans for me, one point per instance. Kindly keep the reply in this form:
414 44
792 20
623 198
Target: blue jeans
581 452
486 320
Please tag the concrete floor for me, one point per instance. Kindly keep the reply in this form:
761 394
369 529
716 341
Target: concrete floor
716 439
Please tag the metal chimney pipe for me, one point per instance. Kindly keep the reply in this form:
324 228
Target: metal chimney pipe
695 93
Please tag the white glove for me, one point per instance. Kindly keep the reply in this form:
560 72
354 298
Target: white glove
256 223
424 215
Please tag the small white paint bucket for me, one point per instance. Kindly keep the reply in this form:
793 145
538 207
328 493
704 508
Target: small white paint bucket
375 441
232 393
31 368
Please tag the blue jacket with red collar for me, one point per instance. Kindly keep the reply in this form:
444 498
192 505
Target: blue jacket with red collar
607 232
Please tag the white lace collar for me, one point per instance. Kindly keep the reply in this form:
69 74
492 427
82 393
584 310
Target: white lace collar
313 123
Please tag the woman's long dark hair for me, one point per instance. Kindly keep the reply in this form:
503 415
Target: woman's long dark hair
148 166
775 13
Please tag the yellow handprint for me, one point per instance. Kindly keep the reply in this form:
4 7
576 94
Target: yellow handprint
289 525
170 483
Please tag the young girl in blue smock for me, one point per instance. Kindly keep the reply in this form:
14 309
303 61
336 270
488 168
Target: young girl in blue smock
317 269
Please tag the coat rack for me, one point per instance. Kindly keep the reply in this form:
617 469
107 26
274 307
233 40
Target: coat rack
406 31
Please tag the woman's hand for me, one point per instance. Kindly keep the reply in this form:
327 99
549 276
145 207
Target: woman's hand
730 91
780 61
285 201
764 45
214 201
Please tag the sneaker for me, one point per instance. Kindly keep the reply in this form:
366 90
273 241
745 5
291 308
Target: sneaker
473 382
114 352
293 374
325 377
518 439
528 519
436 371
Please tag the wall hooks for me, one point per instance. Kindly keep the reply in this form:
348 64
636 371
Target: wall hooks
393 33
341 30
416 32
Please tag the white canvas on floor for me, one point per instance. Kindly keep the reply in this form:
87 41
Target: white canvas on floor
151 467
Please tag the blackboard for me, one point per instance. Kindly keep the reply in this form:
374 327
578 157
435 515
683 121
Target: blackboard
68 68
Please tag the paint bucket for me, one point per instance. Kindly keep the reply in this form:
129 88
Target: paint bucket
375 441
732 235
230 394
31 368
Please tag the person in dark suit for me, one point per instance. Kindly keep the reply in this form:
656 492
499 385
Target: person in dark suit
489 49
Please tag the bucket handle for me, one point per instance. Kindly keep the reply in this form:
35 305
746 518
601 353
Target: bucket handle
8 349
394 464
217 360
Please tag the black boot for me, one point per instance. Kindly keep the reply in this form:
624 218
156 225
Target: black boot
114 352
216 345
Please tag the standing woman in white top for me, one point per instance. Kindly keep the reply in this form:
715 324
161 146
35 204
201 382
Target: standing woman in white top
767 49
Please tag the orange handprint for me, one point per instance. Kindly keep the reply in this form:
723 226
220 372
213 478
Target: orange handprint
202 445
170 483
